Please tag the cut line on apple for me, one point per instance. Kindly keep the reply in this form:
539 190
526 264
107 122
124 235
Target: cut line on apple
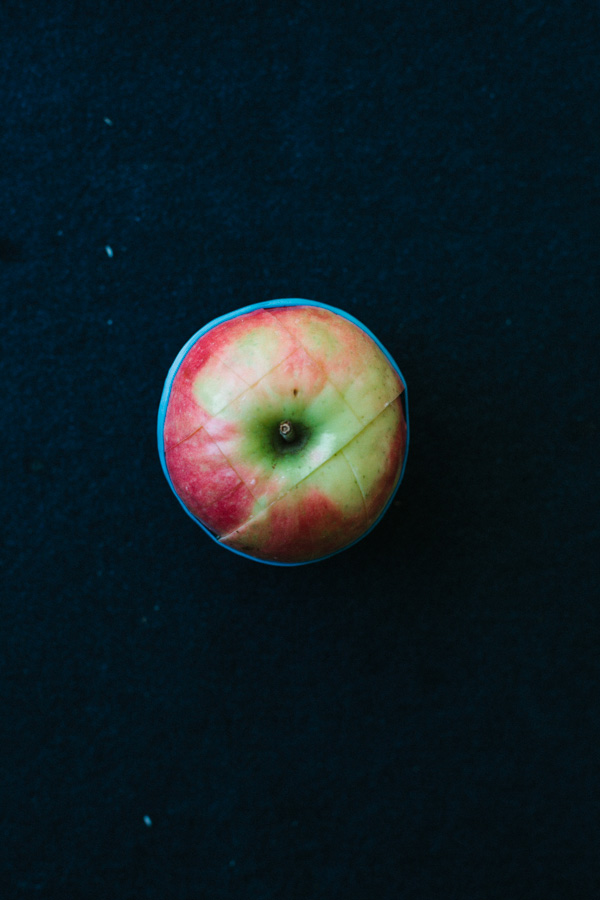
283 430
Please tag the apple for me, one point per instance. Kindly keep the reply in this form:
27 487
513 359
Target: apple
283 430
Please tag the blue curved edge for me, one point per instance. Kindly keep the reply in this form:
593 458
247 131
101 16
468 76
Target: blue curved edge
162 410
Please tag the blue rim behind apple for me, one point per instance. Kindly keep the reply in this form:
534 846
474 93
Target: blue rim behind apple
162 411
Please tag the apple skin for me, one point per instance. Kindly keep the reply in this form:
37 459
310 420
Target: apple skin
228 390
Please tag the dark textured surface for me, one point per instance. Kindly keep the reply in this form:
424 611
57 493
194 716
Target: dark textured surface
418 717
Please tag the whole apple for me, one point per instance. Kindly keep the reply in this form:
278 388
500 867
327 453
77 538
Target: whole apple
283 430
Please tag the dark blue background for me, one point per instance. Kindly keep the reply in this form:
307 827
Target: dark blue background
417 717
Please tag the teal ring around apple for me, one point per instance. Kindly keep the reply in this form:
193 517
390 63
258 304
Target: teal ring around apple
232 315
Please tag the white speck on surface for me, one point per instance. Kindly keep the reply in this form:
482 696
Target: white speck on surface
108 121
157 607
109 251
59 233
509 321
148 821
109 321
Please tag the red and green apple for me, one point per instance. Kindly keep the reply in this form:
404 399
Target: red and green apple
283 430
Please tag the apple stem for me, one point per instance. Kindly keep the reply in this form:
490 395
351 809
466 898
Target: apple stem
286 430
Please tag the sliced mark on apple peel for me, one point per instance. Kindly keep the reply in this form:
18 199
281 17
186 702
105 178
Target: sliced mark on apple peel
312 473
